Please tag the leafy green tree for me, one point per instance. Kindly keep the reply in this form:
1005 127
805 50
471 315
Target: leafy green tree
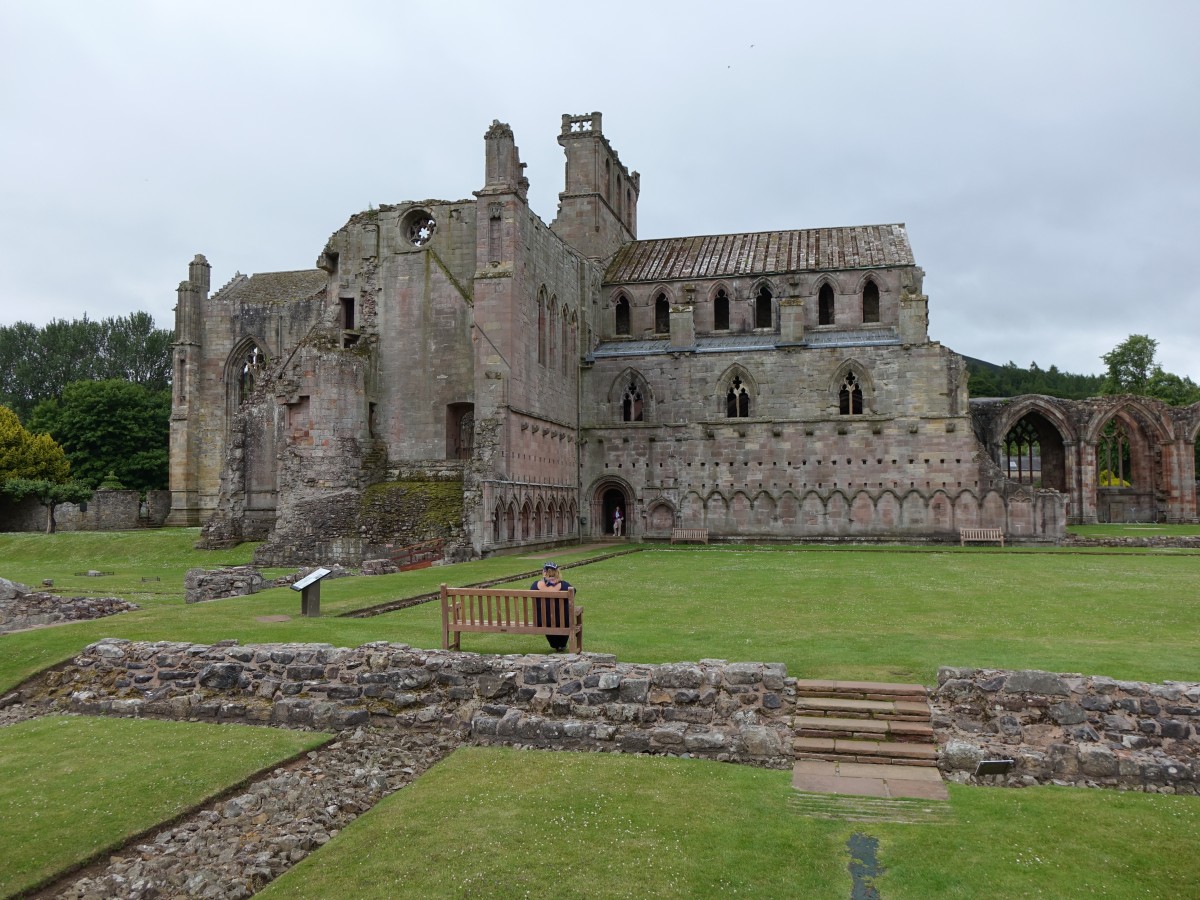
49 493
26 455
1130 365
38 363
111 427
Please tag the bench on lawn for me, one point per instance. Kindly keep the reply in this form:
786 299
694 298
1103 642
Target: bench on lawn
980 535
510 612
681 535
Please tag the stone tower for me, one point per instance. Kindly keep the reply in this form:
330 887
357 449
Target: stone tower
597 210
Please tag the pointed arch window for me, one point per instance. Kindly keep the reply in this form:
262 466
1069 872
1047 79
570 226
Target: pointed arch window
850 396
721 311
825 305
541 329
662 315
250 371
1114 462
552 334
567 351
1023 453
737 400
632 405
870 301
622 316
763 308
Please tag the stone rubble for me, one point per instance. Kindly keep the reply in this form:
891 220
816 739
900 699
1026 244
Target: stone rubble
233 847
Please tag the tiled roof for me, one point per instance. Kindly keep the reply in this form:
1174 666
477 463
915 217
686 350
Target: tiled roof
761 253
274 287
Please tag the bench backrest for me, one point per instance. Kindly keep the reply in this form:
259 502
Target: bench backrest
496 606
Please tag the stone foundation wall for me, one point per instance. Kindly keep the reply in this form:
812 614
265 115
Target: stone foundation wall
1087 731
106 511
37 608
714 709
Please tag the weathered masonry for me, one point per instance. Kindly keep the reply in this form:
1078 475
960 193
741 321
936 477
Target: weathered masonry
458 370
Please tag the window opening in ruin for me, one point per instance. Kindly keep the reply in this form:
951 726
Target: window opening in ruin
721 311
1023 453
870 302
622 316
552 331
541 330
762 308
631 404
662 315
825 305
1113 463
737 400
496 525
180 382
248 376
372 419
566 346
419 227
460 430
348 313
850 398
607 180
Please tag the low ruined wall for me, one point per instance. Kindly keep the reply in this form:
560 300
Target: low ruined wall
106 511
724 711
1069 729
200 585
37 608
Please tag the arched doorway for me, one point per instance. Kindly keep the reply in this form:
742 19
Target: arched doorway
612 498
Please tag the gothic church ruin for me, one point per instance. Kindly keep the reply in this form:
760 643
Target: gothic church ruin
460 371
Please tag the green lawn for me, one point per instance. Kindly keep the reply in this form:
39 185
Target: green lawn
74 788
1131 530
503 823
493 822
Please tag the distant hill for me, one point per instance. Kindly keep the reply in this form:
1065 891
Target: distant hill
1010 380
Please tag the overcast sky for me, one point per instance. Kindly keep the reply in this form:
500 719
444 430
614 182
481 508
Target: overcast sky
1043 154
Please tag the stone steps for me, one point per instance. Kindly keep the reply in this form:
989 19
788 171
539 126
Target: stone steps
865 738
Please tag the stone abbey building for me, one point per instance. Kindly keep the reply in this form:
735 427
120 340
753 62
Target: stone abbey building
459 370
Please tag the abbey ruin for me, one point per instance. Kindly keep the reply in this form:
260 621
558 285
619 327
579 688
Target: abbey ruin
460 371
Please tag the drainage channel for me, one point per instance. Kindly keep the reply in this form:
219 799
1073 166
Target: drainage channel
864 867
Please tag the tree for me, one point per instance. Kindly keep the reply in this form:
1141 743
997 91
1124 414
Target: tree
111 427
38 363
49 493
1130 364
25 455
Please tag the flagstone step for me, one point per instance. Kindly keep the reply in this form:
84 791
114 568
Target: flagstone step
852 708
861 729
868 779
849 750
861 690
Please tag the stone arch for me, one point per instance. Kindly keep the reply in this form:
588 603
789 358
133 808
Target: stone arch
1124 444
510 521
837 512
716 511
812 513
736 381
661 301
871 295
542 315
526 523
888 510
1032 420
720 295
691 510
861 513
625 402
825 291
539 519
622 315
966 510
941 512
244 370
914 510
660 519
788 509
763 294
992 511
849 374
606 495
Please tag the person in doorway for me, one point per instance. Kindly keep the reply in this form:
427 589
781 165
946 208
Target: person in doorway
546 610
617 522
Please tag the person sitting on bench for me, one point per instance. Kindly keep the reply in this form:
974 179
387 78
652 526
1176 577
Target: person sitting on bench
545 610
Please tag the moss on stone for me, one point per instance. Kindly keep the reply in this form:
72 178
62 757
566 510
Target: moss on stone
414 508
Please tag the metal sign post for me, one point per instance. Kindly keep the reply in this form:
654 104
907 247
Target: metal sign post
310 592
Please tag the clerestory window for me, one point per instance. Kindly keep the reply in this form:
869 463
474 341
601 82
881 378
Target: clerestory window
622 323
763 317
737 400
721 311
825 305
870 302
632 407
850 397
662 315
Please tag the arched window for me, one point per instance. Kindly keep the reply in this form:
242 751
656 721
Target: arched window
737 400
763 317
622 316
552 332
631 404
248 374
662 315
1114 462
825 305
541 327
1023 453
850 396
721 311
567 350
870 301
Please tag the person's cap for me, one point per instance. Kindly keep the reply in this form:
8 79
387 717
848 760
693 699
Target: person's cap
550 565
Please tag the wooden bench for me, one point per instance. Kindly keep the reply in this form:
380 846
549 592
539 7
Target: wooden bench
980 535
682 535
510 612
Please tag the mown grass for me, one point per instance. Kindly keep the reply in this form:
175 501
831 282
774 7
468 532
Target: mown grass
73 788
1132 530
504 823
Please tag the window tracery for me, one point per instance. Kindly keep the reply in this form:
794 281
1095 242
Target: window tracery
622 321
850 396
721 311
737 400
763 312
825 305
632 407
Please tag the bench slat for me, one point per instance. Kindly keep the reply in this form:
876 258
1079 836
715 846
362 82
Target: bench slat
510 612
